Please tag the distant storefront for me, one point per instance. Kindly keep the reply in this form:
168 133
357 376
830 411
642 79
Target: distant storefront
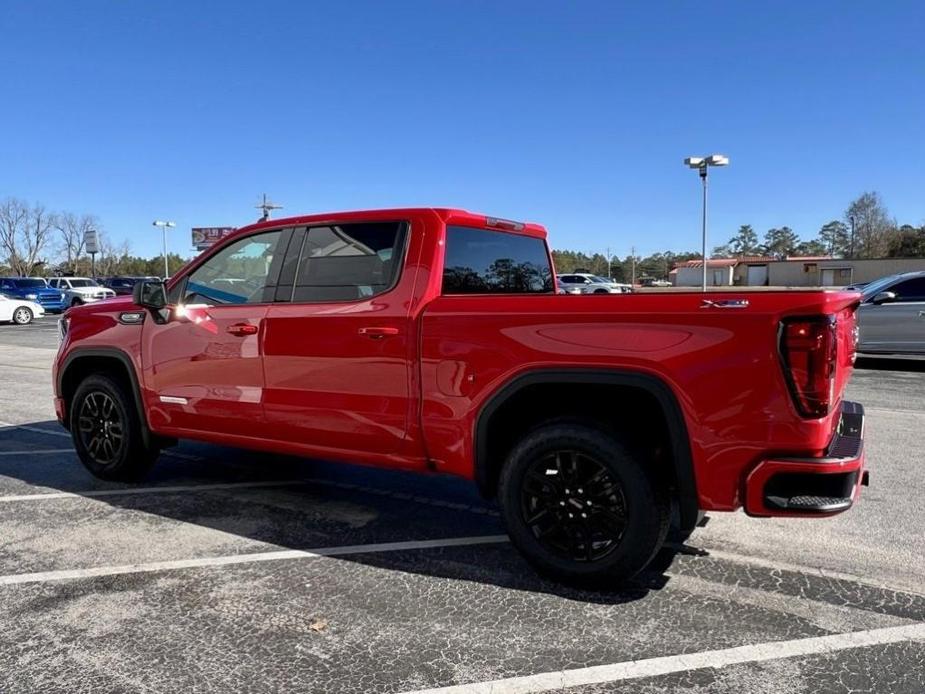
814 271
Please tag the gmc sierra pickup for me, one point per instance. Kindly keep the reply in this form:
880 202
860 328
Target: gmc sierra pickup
434 340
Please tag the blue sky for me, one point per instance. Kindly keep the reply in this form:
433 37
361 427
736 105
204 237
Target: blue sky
573 114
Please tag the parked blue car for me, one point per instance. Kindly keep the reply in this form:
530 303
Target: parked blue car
34 289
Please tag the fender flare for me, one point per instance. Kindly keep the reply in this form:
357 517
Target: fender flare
682 460
126 361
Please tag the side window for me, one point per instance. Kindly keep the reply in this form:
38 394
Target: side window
237 274
910 290
348 262
479 261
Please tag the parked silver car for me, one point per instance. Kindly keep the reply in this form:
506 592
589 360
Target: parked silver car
891 317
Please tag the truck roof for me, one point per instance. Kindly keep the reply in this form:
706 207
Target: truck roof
448 214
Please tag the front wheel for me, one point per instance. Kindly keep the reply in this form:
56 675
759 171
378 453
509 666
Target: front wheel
22 315
106 429
580 506
76 302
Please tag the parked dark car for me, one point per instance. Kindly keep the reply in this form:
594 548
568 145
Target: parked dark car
122 286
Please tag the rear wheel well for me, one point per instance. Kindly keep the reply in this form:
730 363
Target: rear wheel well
639 411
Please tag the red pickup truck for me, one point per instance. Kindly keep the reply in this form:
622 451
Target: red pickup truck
434 340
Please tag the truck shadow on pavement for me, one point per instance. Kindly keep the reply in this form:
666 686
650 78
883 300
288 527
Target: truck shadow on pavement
273 502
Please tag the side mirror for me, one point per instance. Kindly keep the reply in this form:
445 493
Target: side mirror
150 294
884 298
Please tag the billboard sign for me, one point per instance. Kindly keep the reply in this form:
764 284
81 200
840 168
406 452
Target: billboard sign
203 237
91 241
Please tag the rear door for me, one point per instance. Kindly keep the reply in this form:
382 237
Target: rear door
339 339
898 325
203 368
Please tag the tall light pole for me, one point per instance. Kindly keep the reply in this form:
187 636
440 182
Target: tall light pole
702 164
851 247
164 227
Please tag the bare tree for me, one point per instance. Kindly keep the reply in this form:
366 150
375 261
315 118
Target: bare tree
111 257
24 234
871 225
37 237
14 214
71 229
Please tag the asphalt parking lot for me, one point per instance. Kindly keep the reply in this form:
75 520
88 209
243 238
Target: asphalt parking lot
229 571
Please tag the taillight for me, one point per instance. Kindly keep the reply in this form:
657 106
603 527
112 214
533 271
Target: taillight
809 351
854 334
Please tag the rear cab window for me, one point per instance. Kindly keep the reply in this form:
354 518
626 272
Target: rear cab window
487 261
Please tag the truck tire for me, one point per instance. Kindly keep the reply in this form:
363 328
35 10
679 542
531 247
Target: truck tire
581 506
106 430
76 302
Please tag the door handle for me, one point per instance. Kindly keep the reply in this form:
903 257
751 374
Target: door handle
378 333
242 329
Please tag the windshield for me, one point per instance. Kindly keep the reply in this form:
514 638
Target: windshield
878 286
83 283
29 283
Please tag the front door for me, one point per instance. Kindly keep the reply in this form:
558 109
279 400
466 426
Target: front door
897 325
203 368
339 341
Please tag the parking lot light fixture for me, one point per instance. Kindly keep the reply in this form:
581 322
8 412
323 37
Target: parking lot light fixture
702 164
164 227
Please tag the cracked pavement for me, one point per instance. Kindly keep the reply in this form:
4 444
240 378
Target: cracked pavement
412 617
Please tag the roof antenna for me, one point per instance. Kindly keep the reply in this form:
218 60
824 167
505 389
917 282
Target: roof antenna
266 206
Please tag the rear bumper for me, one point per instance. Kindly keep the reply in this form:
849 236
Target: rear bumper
785 486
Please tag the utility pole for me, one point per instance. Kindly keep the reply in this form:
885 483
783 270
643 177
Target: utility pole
609 275
633 256
851 246
267 206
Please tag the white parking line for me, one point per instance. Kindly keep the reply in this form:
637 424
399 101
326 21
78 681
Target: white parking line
895 410
24 366
777 565
47 576
665 665
149 490
38 451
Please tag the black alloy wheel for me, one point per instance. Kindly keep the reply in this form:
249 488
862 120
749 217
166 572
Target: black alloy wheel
107 430
101 428
582 504
573 505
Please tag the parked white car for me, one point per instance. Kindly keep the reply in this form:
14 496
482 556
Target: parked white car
80 290
19 311
585 283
